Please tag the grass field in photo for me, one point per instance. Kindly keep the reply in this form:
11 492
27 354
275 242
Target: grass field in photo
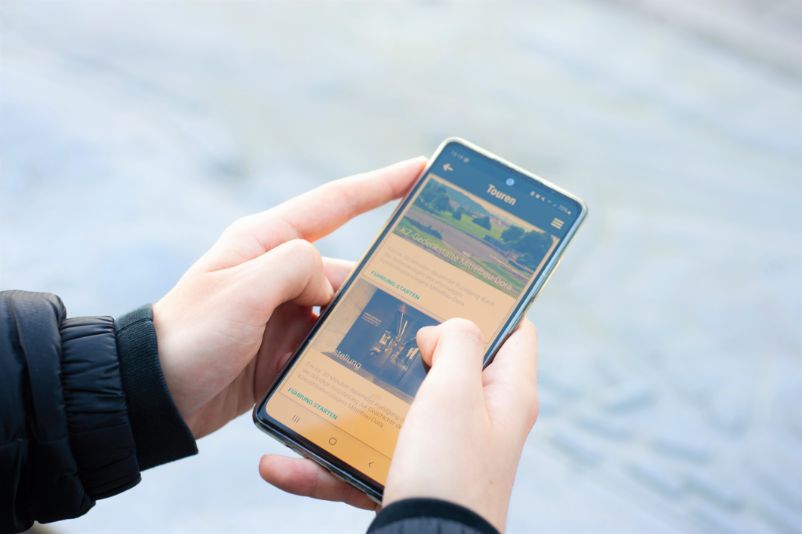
465 233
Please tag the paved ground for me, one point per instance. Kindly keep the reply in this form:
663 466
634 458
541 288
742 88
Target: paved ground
671 357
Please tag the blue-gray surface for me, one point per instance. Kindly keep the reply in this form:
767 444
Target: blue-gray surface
671 357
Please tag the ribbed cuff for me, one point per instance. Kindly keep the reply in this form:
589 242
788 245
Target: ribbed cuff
425 508
160 432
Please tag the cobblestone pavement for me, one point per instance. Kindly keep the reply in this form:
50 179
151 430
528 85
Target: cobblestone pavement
671 355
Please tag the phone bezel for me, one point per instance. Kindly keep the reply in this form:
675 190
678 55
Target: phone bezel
337 467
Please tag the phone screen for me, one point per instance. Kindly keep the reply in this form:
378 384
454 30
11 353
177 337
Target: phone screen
470 241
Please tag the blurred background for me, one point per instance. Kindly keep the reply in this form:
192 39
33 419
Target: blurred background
132 133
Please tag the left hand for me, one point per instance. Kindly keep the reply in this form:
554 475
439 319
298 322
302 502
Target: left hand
233 319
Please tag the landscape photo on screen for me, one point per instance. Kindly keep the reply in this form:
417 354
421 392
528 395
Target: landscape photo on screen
475 236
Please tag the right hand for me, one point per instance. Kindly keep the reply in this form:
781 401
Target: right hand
463 435
462 438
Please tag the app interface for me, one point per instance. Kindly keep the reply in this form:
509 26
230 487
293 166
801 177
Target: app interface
471 241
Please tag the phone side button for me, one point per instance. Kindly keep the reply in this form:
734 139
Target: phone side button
548 278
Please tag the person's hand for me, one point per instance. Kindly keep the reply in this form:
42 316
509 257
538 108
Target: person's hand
232 320
463 435
462 438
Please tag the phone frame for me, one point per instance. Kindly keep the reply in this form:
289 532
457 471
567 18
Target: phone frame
337 467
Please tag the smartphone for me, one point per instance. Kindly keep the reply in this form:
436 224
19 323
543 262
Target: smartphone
476 237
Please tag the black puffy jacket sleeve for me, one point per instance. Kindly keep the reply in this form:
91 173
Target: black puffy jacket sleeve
83 408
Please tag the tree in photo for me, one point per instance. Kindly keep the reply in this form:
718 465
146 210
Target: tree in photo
532 247
434 197
512 234
483 221
442 203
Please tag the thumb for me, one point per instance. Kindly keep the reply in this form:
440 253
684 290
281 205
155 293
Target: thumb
292 271
454 350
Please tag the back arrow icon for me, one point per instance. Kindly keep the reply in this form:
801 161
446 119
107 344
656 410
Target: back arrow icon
448 167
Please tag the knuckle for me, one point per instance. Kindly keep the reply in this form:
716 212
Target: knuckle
303 252
301 247
526 328
531 404
531 326
464 328
238 226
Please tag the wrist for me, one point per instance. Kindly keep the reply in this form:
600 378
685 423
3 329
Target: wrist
161 433
177 378
165 332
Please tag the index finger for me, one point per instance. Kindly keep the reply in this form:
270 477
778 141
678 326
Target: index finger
300 476
320 211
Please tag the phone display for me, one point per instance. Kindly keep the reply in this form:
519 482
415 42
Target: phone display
475 238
